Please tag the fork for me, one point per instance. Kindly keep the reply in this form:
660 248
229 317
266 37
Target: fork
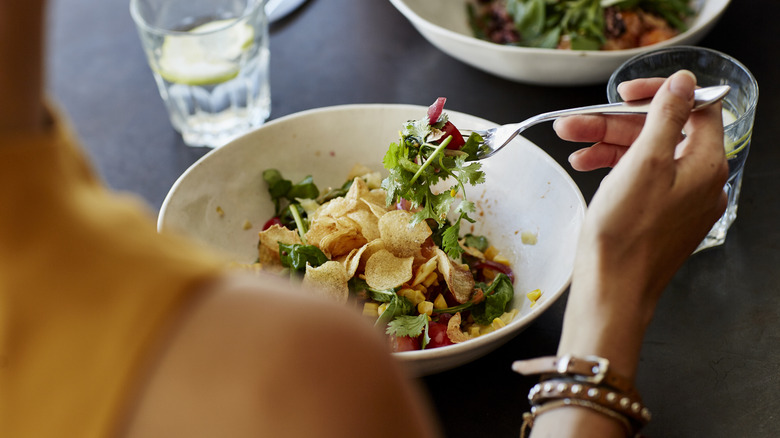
494 139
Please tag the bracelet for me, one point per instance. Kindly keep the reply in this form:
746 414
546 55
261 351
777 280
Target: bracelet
529 417
585 382
591 369
626 405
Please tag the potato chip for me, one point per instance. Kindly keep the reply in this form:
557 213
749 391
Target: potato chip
386 271
400 237
377 196
378 210
268 248
458 277
357 190
341 242
351 261
367 222
334 208
454 332
328 280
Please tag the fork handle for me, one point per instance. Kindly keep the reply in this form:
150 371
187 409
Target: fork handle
701 97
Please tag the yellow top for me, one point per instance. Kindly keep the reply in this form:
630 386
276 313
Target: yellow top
86 288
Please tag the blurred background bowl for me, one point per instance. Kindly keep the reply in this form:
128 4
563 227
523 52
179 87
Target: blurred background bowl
526 192
444 23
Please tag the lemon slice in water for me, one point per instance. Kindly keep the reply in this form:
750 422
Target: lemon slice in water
207 54
733 146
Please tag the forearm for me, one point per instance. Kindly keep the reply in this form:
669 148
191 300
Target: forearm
605 317
21 65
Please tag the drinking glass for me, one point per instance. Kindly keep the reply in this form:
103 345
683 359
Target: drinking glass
739 109
210 61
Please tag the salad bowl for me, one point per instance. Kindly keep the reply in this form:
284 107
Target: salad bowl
444 23
223 201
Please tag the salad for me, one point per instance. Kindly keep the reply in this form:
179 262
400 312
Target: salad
394 247
578 24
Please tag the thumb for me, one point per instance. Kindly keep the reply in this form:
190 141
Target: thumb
669 111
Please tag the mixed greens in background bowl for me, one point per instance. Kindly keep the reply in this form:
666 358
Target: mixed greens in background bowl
447 25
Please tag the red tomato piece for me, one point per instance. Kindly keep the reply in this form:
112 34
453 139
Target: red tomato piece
404 343
457 141
271 222
438 334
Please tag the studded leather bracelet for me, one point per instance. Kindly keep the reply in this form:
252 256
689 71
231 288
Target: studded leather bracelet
583 382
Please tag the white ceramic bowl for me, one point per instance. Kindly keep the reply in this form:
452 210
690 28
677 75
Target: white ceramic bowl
526 190
444 23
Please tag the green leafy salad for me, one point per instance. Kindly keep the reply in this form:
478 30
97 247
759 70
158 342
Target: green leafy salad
578 24
394 247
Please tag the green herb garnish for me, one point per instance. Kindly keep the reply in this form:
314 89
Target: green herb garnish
420 161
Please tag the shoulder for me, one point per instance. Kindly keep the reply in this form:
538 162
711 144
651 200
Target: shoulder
257 354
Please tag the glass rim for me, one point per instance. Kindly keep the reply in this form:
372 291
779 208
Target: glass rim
135 13
750 109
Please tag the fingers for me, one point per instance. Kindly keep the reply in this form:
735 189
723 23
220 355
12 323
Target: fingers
705 128
639 88
598 156
669 112
615 129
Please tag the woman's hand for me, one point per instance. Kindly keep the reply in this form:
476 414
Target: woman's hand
666 189
650 213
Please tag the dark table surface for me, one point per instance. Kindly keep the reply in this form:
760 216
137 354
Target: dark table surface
710 365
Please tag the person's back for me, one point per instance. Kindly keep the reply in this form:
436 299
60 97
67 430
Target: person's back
109 328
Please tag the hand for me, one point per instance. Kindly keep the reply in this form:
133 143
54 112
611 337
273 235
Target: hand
649 214
654 208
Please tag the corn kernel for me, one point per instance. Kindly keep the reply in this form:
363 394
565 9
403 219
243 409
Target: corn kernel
453 192
413 295
474 331
490 252
371 309
534 295
498 323
485 329
420 288
501 259
381 309
440 302
507 317
529 238
425 307
429 279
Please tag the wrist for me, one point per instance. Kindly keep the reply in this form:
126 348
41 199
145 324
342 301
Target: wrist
607 314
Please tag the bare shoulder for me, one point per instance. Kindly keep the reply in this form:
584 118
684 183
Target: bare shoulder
264 358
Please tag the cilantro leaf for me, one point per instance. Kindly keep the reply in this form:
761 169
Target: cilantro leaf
407 325
449 240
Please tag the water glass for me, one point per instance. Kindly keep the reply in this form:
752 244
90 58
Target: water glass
739 109
210 61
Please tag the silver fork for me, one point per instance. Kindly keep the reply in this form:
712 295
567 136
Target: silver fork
494 139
